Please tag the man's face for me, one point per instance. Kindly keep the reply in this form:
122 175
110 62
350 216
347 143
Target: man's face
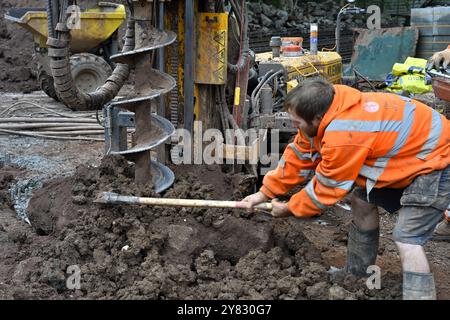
310 129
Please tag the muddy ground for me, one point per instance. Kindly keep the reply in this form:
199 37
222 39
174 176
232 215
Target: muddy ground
137 252
126 252
129 252
17 66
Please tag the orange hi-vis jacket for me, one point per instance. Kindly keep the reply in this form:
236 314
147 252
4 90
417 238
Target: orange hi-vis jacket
374 140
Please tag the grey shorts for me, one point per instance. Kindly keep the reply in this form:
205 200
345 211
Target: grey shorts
420 206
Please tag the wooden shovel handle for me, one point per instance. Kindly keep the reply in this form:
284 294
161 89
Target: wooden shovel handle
113 198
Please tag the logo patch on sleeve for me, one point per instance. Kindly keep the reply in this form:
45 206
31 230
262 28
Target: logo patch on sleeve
371 106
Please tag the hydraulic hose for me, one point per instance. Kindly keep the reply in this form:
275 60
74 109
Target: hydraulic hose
244 53
261 82
256 97
58 52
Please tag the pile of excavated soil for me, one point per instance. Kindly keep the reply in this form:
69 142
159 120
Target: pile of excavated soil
17 66
140 252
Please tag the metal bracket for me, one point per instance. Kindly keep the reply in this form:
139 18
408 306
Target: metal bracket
116 123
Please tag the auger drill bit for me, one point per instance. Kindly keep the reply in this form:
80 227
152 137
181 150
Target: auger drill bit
150 130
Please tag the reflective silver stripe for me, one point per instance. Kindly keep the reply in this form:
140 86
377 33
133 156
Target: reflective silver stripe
405 128
282 163
311 142
364 125
300 155
344 185
373 173
305 173
433 137
310 192
318 148
315 156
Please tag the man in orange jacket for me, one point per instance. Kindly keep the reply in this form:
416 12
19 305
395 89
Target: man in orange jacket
389 150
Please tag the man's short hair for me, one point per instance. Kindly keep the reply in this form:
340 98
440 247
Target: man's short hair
310 98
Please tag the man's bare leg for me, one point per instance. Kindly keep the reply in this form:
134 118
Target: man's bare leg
413 258
365 215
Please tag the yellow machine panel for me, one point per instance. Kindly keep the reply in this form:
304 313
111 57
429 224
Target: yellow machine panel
211 61
327 65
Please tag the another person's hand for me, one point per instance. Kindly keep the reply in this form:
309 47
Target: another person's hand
280 209
252 200
441 58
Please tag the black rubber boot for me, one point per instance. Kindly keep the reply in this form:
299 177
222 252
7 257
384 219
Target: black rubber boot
418 286
362 248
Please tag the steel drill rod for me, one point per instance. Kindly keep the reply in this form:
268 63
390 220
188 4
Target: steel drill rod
114 198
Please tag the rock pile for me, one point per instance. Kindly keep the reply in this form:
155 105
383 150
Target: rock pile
266 18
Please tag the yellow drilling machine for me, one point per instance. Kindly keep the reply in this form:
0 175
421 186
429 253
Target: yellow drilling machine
192 69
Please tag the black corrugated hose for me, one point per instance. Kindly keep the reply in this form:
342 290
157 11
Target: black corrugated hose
58 52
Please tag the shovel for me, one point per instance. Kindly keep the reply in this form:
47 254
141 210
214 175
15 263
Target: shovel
114 198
